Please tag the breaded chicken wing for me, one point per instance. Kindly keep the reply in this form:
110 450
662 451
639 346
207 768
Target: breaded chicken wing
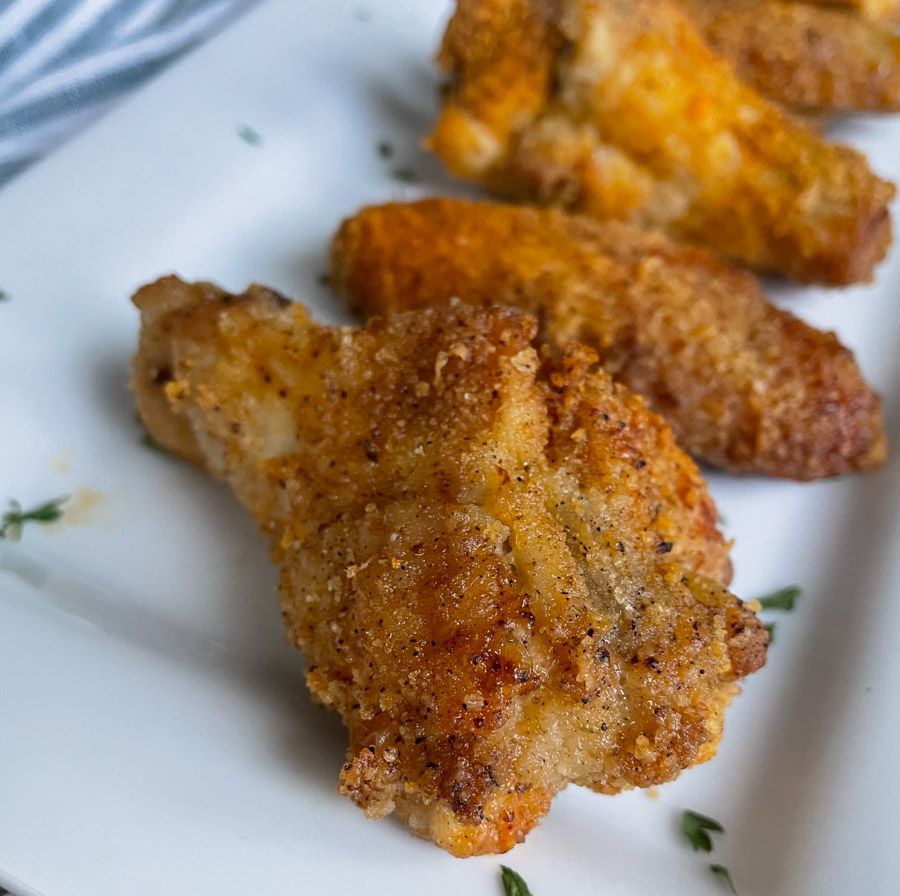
805 57
619 109
744 385
502 571
885 11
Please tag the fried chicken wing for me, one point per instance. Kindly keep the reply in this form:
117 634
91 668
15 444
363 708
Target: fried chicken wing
884 11
619 109
744 385
502 571
804 57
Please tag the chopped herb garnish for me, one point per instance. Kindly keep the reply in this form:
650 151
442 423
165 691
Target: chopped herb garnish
146 439
724 873
3 296
15 517
149 442
513 885
406 175
780 600
249 135
385 150
770 628
695 827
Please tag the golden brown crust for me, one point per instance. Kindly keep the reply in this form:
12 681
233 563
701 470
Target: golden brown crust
625 113
745 386
885 11
509 88
805 57
477 585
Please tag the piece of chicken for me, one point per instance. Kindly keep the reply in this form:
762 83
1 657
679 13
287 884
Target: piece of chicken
885 11
806 57
502 571
744 385
619 109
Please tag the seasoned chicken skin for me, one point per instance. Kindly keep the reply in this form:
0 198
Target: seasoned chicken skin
805 57
885 11
744 385
502 570
619 109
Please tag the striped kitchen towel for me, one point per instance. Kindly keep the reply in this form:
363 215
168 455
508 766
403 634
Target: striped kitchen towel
64 62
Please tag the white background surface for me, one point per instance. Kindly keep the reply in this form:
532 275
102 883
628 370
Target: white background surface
156 733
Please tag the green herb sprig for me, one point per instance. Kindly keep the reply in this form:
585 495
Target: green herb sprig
696 828
146 439
405 175
513 885
783 599
15 518
402 173
250 135
725 874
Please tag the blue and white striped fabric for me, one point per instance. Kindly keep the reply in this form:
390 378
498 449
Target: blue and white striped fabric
63 62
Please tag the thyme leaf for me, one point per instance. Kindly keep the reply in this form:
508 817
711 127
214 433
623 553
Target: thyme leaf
783 599
15 517
146 439
696 828
250 135
513 885
725 874
405 175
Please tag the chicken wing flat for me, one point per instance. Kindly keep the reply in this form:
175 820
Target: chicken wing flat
744 385
805 57
503 572
619 109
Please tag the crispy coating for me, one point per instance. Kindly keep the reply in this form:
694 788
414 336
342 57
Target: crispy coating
805 57
485 558
619 109
744 385
885 11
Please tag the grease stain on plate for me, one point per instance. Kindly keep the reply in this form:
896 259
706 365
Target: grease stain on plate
61 463
81 508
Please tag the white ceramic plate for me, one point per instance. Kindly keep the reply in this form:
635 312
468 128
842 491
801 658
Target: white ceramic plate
155 733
